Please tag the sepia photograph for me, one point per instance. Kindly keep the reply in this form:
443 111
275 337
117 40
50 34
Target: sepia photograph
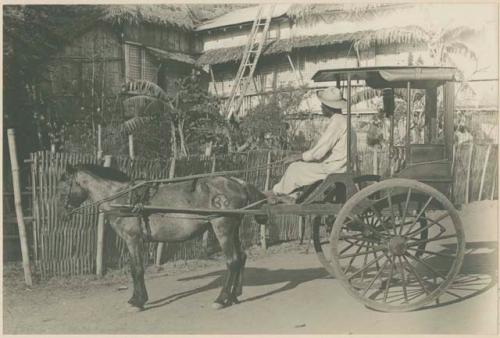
250 168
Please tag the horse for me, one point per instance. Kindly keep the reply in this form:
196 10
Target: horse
99 184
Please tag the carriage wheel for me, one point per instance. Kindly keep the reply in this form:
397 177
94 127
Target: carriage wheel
406 254
322 226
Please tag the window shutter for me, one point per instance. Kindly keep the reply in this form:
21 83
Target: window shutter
150 67
133 67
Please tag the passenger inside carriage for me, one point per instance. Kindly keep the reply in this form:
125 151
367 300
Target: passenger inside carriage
327 156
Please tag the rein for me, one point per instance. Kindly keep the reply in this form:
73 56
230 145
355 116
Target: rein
174 180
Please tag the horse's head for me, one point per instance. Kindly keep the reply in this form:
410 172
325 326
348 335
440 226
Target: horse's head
70 192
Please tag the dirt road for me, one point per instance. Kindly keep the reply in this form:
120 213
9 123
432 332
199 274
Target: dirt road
285 293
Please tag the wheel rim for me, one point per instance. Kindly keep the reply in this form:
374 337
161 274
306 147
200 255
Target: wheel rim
396 251
322 228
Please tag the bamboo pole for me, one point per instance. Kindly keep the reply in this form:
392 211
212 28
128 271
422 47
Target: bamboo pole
99 266
131 146
375 161
161 245
483 174
467 182
19 210
99 141
495 179
267 185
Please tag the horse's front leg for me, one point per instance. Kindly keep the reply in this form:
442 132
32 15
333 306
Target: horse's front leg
129 230
225 230
140 294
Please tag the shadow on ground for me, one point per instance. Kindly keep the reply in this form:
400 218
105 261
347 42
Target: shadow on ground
477 275
253 277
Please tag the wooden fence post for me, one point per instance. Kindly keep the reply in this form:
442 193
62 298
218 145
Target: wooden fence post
467 182
131 146
483 174
495 179
161 245
19 209
99 142
267 184
375 161
99 263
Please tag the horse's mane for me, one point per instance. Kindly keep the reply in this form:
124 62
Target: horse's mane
105 172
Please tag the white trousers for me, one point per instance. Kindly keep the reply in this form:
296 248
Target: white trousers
299 174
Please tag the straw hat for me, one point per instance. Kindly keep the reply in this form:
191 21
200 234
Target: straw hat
332 97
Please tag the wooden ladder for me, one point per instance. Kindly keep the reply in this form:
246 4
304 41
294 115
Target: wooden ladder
253 49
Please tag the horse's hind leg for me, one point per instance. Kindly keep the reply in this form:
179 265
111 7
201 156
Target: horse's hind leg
224 229
238 287
140 295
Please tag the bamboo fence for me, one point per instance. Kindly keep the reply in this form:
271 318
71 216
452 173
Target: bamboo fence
68 247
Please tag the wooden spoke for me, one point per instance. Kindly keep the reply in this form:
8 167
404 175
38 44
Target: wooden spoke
378 248
433 239
364 268
419 214
427 265
414 271
375 278
380 218
433 253
375 256
387 286
403 277
348 247
403 217
389 200
433 222
352 258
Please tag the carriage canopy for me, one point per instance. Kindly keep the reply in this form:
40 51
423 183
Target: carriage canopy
421 77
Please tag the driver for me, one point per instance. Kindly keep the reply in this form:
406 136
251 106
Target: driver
328 156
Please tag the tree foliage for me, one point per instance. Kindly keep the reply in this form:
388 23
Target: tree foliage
192 114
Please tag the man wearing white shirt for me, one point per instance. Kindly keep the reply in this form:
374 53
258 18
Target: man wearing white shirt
328 156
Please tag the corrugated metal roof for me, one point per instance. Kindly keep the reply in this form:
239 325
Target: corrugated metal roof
241 16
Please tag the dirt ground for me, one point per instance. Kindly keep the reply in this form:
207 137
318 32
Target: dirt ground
286 292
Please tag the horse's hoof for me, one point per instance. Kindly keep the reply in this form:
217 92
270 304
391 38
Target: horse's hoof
218 306
134 309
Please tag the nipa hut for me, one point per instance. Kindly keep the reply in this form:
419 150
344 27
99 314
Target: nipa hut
306 38
124 43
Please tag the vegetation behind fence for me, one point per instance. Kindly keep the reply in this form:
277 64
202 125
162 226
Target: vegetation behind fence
68 247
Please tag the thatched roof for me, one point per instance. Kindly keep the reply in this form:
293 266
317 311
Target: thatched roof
177 15
183 16
403 35
298 12
203 13
311 11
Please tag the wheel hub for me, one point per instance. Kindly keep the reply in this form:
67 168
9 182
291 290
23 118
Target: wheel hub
397 245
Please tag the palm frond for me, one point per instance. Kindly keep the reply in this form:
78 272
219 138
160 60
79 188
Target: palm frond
460 48
134 124
458 33
145 88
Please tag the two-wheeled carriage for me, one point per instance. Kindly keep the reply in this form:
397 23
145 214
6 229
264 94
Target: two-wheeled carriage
395 244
